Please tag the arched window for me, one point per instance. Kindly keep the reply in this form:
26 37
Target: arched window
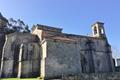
101 31
95 30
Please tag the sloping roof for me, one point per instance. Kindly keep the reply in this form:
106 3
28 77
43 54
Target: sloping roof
70 37
47 28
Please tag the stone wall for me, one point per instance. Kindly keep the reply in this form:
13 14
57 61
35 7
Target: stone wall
102 56
64 57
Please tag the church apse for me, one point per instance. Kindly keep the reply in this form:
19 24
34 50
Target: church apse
30 59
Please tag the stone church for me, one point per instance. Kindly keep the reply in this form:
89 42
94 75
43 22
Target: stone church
50 53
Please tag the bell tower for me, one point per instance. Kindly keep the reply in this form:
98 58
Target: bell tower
98 30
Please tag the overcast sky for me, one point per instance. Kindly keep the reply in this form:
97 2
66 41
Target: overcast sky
74 16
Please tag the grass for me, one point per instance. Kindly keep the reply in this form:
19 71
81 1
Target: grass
18 79
21 79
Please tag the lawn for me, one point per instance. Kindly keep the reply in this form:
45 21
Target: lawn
20 79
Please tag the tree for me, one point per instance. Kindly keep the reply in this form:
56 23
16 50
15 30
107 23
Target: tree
16 26
26 29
